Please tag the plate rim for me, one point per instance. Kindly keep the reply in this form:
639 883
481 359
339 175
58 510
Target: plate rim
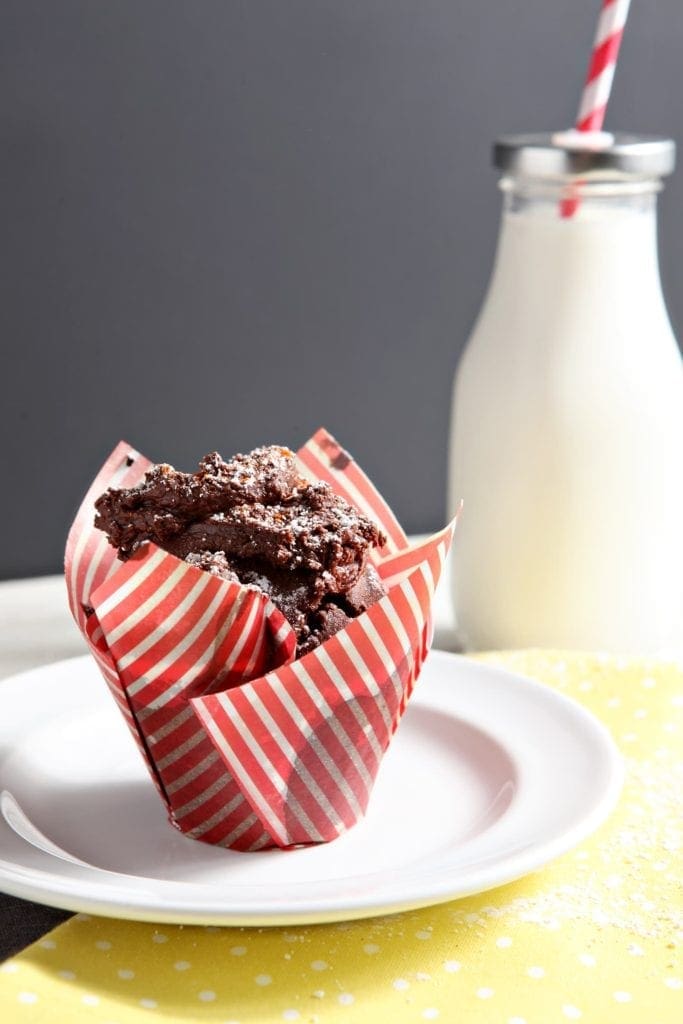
84 895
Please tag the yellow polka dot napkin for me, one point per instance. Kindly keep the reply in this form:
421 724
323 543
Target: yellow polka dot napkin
593 937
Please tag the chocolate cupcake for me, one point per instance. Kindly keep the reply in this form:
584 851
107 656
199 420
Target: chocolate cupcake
261 624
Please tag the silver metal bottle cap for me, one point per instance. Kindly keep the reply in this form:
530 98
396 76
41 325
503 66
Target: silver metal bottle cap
590 154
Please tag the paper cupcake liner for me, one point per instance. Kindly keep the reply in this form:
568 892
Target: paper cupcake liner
247 747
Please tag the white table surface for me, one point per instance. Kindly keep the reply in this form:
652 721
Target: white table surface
35 624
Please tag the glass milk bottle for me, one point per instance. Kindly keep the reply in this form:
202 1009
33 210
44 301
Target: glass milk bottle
567 428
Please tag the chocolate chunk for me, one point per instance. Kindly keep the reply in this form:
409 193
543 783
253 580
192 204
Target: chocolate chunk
337 610
323 624
365 592
214 562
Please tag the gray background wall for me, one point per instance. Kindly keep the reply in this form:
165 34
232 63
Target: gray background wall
225 222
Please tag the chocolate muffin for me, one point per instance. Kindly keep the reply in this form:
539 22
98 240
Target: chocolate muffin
255 520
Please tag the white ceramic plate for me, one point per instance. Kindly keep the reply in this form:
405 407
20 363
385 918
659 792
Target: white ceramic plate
489 777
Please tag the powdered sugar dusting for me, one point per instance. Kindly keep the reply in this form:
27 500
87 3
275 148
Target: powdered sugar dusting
625 876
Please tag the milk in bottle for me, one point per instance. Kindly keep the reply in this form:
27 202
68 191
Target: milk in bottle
567 426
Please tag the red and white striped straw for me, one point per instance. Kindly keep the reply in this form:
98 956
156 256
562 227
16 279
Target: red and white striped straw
598 85
602 65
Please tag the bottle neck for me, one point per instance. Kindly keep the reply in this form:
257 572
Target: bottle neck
604 193
589 240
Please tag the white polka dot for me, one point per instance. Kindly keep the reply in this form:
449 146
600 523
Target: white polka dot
614 702
649 683
126 974
504 942
345 999
636 950
67 975
430 1013
674 983
90 1000
290 1015
629 737
622 997
640 713
370 948
319 965
400 984
206 995
48 944
670 727
263 980
677 700
27 997
238 950
423 933
9 968
182 965
103 944
149 1004
516 1020
536 972
159 937
587 959
572 1012
319 993
452 966
485 993
585 685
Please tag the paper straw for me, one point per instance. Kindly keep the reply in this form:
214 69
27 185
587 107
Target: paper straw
602 65
599 77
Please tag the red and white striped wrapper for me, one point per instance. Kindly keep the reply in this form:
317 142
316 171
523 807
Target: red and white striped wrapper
249 748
